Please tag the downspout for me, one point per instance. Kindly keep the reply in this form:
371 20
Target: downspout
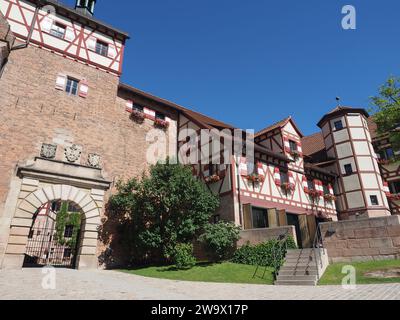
241 218
32 28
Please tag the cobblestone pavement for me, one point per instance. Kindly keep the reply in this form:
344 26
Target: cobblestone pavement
113 285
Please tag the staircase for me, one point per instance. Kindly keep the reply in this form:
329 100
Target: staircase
303 267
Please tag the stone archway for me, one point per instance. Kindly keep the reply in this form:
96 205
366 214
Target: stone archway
89 201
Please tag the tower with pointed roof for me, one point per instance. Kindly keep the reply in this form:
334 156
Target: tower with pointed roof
348 142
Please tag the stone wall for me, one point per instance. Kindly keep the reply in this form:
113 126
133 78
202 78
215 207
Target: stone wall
33 112
6 39
362 240
257 236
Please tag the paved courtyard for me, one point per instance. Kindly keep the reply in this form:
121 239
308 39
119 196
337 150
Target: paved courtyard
112 285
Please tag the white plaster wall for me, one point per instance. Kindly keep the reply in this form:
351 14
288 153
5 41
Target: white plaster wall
365 164
361 148
351 183
344 150
358 133
354 121
355 200
369 181
341 136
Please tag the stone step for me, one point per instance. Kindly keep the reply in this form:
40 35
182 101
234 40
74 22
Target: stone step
296 283
296 277
299 260
298 273
300 264
302 270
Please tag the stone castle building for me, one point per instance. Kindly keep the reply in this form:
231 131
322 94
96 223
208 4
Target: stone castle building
70 130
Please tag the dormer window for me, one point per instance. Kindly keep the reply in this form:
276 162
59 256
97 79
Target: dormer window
138 107
102 48
58 30
338 125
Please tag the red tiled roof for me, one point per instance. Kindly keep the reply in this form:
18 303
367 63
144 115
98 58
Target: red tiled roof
201 119
313 144
373 128
279 124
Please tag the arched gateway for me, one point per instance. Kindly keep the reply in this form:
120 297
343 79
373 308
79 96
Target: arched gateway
39 195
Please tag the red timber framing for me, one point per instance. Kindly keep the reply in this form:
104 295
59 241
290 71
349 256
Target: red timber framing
20 13
297 202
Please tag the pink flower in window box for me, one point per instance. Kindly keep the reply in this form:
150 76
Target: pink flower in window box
137 116
162 124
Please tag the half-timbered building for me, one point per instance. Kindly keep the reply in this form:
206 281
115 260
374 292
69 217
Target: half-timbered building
70 129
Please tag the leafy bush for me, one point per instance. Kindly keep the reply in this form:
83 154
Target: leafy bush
265 254
220 239
183 256
166 206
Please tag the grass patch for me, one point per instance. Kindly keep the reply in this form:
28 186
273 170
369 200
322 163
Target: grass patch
334 276
208 272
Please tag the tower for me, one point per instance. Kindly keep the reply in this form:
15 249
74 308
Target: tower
85 6
359 187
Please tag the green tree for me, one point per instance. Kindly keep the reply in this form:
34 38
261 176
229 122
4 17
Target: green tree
166 207
220 239
387 108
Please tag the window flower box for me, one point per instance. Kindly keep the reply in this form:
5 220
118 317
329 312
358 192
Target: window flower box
212 179
255 178
288 187
329 197
161 124
394 197
295 154
314 194
137 116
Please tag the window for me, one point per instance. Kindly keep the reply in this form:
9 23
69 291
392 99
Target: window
138 107
326 189
102 48
348 168
72 86
250 167
160 116
260 218
58 30
374 200
310 185
69 231
338 125
394 187
284 177
293 145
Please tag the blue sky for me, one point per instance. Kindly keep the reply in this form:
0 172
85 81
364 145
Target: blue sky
252 63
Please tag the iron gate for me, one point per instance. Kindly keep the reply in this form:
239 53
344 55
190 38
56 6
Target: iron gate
44 248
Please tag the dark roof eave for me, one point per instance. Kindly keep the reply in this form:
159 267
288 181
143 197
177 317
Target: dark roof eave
341 112
320 170
271 153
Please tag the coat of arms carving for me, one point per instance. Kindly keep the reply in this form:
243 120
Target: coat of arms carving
73 153
94 160
48 151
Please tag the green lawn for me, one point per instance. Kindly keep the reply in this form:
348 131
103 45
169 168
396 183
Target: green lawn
218 272
334 276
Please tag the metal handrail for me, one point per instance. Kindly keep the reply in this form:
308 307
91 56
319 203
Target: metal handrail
317 245
276 265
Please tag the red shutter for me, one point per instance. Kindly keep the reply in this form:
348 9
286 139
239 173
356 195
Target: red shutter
83 89
243 167
277 177
305 184
61 82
